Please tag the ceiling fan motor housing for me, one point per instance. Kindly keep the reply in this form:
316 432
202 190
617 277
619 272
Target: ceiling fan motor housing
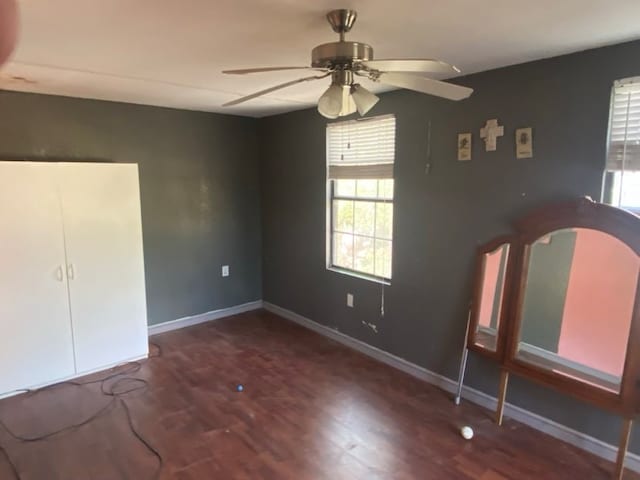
340 54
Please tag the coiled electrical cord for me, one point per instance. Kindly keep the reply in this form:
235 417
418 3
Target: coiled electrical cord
115 390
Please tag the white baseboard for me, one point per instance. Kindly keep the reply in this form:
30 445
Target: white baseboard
203 317
559 431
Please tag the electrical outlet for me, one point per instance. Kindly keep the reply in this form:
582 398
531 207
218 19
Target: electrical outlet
225 270
350 300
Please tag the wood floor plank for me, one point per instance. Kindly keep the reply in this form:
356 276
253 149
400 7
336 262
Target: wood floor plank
310 409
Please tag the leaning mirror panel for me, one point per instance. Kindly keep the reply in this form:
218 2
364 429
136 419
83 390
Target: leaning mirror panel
579 294
494 267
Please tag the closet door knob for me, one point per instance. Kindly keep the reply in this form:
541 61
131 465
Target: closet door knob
59 273
71 272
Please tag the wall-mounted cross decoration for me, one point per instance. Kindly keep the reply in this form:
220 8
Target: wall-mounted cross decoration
490 133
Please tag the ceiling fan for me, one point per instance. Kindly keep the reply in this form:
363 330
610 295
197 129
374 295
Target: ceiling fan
345 61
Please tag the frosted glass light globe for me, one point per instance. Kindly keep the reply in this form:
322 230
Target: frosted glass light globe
330 103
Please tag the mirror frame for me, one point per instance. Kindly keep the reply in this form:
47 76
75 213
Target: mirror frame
584 213
478 282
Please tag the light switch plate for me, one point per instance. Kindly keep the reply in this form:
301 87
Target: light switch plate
350 300
225 270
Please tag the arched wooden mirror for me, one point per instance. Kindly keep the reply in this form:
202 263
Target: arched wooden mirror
558 302
576 304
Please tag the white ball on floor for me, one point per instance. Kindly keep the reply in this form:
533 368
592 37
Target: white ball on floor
466 432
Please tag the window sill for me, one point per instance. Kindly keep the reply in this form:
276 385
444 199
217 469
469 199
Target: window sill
362 276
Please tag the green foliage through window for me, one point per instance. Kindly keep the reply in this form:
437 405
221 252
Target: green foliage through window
362 225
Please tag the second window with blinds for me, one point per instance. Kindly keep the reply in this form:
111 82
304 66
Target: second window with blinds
622 176
360 157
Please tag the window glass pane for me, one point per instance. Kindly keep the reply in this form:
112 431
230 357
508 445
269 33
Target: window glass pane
385 188
343 250
626 189
367 188
384 220
343 215
364 218
345 188
383 258
363 255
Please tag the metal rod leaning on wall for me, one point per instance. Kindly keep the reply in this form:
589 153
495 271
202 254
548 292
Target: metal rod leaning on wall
463 361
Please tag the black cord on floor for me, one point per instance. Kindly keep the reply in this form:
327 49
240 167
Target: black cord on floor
14 469
115 390
143 440
158 350
131 367
39 438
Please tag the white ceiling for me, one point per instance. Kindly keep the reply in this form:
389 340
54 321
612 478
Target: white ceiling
170 53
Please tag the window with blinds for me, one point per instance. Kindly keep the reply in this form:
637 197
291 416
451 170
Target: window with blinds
622 176
360 157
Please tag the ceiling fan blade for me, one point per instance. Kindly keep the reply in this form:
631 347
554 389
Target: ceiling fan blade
272 89
417 65
245 71
425 85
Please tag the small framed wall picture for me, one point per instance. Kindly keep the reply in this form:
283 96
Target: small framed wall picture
524 143
464 147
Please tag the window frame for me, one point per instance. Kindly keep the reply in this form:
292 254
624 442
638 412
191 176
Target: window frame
609 175
367 151
331 198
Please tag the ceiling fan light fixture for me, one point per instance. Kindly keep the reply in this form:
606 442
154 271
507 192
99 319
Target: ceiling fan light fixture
348 105
330 103
364 100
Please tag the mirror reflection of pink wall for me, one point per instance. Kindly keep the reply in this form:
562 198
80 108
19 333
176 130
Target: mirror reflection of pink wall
492 262
8 28
493 272
599 302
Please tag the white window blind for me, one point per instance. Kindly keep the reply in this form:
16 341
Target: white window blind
361 149
624 126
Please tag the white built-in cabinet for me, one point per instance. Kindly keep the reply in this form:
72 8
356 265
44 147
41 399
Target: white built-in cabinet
72 289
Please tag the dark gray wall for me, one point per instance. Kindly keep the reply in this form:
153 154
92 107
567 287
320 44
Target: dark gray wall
442 216
199 186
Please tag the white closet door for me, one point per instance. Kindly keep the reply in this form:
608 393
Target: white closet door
103 233
36 344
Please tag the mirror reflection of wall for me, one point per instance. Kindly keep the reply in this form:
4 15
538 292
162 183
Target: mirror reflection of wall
578 304
489 309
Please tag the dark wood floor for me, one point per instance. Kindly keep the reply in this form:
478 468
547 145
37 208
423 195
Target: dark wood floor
311 409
